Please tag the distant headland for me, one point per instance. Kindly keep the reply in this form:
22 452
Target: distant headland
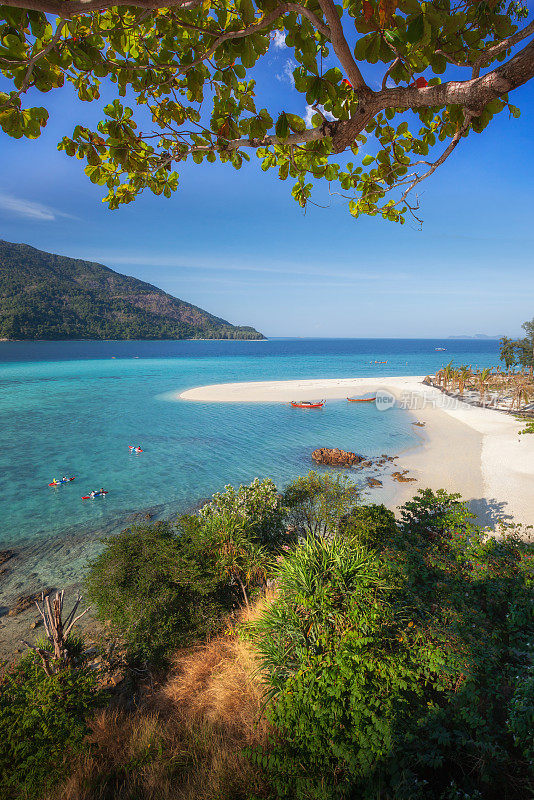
45 296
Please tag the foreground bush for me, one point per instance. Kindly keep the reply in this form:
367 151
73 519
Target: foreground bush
186 740
257 506
398 659
317 502
43 721
165 586
157 589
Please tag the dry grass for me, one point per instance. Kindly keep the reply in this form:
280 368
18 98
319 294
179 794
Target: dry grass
186 742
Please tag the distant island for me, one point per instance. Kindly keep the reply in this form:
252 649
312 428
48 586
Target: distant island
475 336
47 296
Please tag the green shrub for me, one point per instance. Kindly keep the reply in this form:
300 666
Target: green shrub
165 586
42 723
529 425
157 586
317 502
258 507
521 715
370 526
397 660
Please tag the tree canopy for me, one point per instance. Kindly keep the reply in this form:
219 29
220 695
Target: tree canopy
394 85
519 351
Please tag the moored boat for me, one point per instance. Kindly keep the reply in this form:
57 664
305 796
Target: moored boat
307 403
361 399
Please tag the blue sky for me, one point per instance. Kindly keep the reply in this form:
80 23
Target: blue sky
236 244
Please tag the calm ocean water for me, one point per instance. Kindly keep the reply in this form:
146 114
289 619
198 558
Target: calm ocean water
71 408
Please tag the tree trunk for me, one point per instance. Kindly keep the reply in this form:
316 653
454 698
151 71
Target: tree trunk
243 589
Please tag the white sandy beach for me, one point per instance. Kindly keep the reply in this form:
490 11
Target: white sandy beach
474 451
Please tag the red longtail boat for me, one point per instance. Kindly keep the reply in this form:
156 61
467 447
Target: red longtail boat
307 403
361 399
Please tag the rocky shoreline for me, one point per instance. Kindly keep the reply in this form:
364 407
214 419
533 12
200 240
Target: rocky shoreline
334 457
46 564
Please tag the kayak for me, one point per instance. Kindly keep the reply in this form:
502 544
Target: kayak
133 449
97 494
57 483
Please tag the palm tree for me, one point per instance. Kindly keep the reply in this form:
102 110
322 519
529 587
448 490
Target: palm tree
448 373
482 381
464 374
522 392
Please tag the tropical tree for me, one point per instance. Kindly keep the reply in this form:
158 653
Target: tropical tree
416 77
528 327
157 587
448 373
258 506
317 502
391 659
237 558
456 377
464 374
525 355
482 381
508 352
522 393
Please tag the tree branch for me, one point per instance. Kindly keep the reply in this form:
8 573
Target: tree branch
471 95
74 8
387 72
451 59
262 22
341 48
493 52
433 166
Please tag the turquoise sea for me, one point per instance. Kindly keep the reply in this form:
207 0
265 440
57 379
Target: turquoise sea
74 407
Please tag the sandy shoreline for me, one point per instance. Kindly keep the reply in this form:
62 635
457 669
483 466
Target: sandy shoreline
474 451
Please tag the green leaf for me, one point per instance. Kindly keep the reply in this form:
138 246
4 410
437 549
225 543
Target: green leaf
415 30
282 126
361 47
296 123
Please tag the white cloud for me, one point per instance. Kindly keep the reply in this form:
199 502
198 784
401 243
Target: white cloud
310 111
279 39
209 263
286 76
29 209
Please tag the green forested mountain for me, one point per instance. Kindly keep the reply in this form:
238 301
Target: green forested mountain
46 296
